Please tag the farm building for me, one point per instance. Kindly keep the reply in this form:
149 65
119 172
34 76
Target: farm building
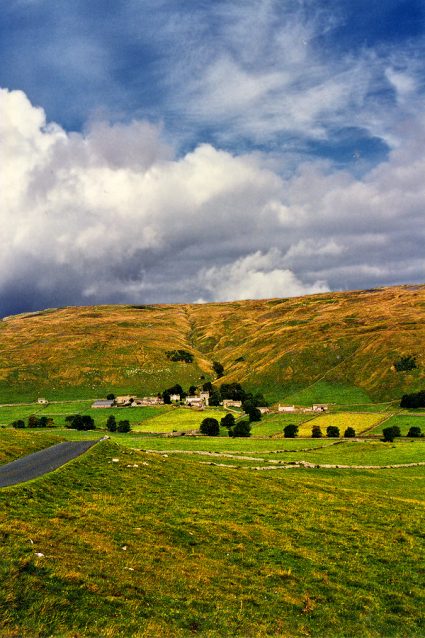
174 398
102 403
42 401
320 407
194 401
287 408
229 403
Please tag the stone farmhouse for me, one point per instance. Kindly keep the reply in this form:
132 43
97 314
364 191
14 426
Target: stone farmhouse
229 403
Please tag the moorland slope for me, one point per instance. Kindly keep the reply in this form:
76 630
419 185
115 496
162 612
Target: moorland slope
348 341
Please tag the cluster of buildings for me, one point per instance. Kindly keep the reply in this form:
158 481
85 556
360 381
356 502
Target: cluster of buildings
316 407
127 401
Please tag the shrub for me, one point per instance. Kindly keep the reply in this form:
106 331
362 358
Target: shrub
316 432
218 368
332 431
290 431
414 431
111 423
110 397
18 424
350 433
242 428
124 426
405 363
180 355
210 427
228 421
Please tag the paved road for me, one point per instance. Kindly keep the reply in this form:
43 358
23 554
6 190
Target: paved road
42 462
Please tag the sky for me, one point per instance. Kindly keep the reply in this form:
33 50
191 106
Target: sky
174 151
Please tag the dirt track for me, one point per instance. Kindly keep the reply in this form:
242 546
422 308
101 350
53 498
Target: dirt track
35 465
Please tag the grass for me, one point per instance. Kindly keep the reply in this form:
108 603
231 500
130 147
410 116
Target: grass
325 392
342 420
17 443
404 422
176 548
178 419
273 424
58 411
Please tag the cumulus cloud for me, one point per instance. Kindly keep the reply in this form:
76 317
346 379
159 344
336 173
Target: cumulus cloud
113 215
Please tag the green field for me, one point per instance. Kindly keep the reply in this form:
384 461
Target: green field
165 546
404 422
273 424
325 392
58 411
179 419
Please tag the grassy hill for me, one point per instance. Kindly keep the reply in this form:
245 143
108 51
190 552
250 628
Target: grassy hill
329 347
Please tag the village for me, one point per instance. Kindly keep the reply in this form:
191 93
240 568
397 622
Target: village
197 401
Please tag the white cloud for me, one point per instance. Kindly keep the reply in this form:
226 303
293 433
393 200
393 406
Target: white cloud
114 216
255 277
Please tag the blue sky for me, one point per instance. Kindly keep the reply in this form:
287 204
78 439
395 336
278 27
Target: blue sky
295 87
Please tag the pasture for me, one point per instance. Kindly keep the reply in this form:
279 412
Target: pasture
404 421
150 545
359 421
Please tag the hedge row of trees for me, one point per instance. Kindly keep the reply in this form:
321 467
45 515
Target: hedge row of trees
413 400
34 422
332 431
211 427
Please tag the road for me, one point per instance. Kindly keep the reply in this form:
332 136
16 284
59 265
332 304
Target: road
35 465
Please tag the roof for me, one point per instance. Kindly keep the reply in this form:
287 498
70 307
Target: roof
102 403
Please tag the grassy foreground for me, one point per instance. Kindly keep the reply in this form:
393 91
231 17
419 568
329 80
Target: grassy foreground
163 546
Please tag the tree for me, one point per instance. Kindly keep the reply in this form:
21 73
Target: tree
390 433
214 398
111 423
232 391
207 386
88 422
254 414
241 429
350 433
77 422
413 400
33 421
110 397
43 421
18 424
192 390
218 368
228 421
332 431
210 427
124 426
414 431
316 432
290 431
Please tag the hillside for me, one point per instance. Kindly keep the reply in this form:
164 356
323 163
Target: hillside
338 345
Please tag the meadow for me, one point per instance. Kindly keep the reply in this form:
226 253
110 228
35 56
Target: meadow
403 421
154 545
359 421
178 419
